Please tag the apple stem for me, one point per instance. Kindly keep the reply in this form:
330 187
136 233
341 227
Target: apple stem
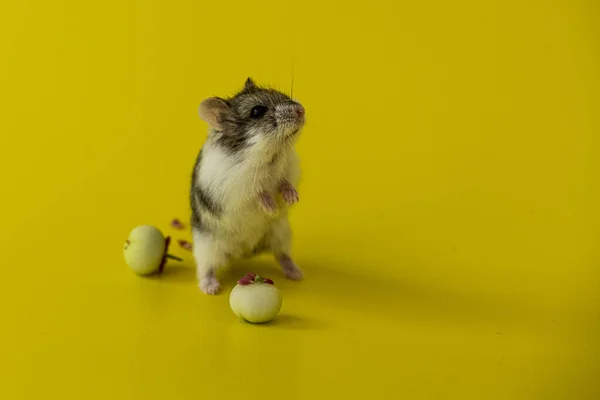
172 257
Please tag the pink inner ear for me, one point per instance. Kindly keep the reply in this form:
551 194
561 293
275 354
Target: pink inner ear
211 110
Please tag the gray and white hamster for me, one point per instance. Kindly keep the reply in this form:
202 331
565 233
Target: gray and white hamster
244 180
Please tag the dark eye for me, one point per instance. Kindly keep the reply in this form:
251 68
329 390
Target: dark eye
258 112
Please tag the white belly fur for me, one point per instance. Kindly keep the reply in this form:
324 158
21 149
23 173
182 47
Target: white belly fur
235 183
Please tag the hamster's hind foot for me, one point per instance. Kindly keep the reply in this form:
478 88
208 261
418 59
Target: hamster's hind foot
210 285
290 269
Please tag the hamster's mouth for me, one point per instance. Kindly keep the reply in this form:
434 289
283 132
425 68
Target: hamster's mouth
291 126
292 132
289 123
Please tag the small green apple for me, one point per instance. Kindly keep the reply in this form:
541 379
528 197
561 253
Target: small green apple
145 250
255 299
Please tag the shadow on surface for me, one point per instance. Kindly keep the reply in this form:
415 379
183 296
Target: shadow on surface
334 288
177 273
287 321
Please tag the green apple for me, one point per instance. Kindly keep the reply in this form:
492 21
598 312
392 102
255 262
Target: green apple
145 250
255 299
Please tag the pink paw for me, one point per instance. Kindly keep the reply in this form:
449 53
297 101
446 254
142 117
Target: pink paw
290 195
210 285
290 269
268 203
294 274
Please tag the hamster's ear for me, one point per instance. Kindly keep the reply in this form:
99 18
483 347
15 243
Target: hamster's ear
214 111
249 84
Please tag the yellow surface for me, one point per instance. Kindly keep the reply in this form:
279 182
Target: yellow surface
448 223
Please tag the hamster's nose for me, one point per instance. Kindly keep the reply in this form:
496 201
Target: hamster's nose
299 110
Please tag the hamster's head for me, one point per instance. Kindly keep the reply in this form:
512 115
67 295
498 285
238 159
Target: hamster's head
255 119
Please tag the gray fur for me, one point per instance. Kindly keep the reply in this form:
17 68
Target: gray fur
234 138
245 181
200 199
238 122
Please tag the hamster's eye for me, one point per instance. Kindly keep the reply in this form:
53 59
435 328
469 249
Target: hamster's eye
258 112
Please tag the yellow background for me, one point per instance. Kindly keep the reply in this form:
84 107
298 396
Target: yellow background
448 222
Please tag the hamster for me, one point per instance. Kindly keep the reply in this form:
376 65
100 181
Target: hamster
244 181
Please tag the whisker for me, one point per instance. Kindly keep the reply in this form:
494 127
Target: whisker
292 91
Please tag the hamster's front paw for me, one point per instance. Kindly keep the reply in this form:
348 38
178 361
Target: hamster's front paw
210 285
288 192
268 203
290 195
